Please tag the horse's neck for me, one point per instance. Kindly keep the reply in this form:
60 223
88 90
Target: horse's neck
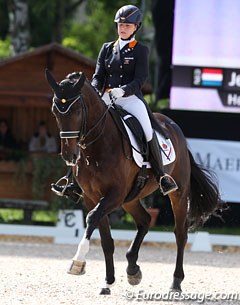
96 106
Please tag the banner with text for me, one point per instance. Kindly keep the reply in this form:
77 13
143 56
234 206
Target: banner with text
223 157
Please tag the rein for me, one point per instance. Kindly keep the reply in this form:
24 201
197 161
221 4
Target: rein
83 137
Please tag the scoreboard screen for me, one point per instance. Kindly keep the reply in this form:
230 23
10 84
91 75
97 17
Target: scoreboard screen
206 56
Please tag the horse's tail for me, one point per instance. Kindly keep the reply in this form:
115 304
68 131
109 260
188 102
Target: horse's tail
204 195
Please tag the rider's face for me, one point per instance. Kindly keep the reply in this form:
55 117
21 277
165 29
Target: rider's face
125 30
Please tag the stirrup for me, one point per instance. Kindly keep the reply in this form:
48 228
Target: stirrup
64 186
171 189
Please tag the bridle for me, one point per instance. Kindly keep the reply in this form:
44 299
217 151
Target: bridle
83 133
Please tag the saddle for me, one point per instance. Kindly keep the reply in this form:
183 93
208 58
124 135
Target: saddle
121 116
122 119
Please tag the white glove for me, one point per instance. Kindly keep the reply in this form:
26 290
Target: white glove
115 93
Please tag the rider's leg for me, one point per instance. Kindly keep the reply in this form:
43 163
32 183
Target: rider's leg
137 108
166 182
68 187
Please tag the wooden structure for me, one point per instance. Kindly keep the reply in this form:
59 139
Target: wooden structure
25 100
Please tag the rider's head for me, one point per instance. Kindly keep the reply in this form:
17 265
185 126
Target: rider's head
129 20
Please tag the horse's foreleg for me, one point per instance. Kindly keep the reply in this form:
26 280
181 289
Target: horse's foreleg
179 206
96 217
79 260
92 221
142 219
78 266
108 250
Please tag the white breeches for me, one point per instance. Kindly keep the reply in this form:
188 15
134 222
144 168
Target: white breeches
136 107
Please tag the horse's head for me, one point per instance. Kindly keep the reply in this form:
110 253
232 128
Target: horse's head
69 109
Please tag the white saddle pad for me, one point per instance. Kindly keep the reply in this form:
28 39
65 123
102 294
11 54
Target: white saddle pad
168 152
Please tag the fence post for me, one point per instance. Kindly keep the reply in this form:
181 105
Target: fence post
201 242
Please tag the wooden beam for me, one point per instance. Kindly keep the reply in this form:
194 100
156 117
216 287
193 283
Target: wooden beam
39 101
25 94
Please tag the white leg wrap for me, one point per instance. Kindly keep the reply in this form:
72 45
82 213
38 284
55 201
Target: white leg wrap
82 250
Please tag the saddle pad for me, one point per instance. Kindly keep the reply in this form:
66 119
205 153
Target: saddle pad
168 152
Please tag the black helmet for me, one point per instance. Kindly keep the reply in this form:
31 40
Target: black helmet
129 14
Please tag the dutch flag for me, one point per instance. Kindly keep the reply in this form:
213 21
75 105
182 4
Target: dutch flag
212 77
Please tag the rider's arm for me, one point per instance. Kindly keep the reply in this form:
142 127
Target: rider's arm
99 76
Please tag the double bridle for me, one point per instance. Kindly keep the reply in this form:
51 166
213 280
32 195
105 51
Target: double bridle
83 133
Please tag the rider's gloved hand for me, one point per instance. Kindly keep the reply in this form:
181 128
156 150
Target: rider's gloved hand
116 93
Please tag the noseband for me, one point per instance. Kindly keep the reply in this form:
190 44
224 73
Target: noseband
81 134
69 134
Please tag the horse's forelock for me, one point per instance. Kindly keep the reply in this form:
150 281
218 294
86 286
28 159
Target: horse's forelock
67 89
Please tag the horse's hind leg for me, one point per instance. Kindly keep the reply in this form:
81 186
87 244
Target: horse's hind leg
179 205
142 220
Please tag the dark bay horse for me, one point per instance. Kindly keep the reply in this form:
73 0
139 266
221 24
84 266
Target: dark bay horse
92 144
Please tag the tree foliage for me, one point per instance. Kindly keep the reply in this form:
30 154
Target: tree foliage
56 20
87 36
5 45
48 19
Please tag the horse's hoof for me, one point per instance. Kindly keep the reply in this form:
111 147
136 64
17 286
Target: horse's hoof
77 268
105 291
175 290
176 285
135 279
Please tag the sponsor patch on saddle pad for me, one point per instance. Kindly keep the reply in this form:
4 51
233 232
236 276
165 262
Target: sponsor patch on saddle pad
168 152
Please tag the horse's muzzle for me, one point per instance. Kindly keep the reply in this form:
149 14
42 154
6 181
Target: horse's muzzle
70 163
71 158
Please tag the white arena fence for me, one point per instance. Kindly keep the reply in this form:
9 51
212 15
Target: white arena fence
70 229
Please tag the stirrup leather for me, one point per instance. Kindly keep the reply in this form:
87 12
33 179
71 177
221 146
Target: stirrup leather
64 186
173 189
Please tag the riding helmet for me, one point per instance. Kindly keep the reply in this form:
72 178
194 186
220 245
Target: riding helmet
129 14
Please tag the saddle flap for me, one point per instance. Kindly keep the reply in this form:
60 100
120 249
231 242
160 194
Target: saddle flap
135 127
137 142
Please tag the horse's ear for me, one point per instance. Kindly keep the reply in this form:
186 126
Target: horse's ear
51 80
80 82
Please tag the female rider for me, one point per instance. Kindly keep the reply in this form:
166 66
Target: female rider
121 70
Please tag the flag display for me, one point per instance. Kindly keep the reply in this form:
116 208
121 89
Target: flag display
212 77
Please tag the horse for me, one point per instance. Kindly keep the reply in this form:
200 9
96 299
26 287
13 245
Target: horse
92 144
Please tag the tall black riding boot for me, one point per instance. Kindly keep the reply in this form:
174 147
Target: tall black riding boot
68 189
166 182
